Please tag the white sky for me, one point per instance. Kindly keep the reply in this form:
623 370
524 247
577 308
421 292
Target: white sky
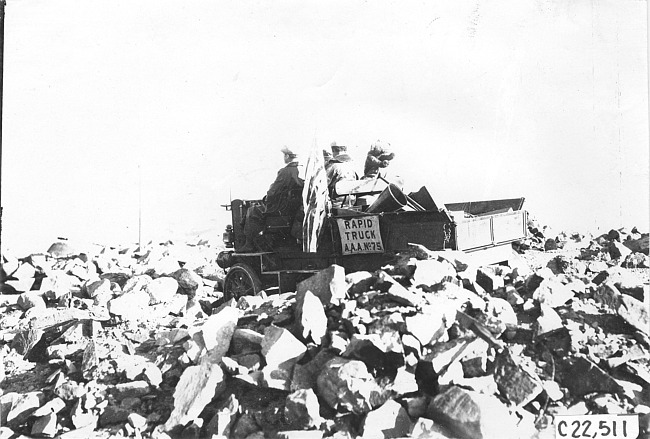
545 99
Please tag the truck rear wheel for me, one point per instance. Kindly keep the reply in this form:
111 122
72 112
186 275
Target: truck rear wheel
241 280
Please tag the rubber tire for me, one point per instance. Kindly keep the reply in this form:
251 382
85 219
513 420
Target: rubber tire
241 280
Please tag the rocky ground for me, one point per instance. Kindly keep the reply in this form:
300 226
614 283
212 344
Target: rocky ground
129 342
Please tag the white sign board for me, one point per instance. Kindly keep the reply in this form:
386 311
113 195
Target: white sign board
360 235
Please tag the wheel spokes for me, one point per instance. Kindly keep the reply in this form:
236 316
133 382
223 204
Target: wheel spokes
241 285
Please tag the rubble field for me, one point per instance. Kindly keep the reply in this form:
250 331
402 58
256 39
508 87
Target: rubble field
139 342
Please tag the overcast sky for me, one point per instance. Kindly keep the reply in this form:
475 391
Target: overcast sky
169 108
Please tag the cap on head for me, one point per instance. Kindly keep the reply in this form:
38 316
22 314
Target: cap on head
288 151
380 145
338 148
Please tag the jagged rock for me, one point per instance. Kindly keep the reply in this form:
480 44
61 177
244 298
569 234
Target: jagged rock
416 406
459 260
328 285
311 318
635 312
134 389
24 271
553 390
432 272
83 416
550 244
553 293
418 251
500 312
606 404
23 406
152 374
304 376
130 306
195 389
468 278
279 346
61 249
18 286
359 282
596 267
489 279
224 418
301 409
339 341
520 268
217 332
471 415
627 282
636 260
388 421
136 283
69 390
483 384
404 382
630 309
6 401
99 290
548 321
452 298
395 291
639 245
581 376
193 429
475 366
8 264
347 385
119 278
245 341
441 355
534 280
520 386
281 351
188 281
137 421
57 284
163 266
378 352
428 326
561 264
24 341
249 303
113 415
161 290
30 300
245 427
53 406
45 425
618 250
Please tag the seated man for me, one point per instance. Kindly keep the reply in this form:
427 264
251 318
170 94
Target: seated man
341 167
379 156
284 197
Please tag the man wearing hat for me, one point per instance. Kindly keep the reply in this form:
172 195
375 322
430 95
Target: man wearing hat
379 156
341 167
327 157
284 197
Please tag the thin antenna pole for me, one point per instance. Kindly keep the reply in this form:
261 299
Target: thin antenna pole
139 208
2 50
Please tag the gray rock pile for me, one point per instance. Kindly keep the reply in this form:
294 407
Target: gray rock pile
140 343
